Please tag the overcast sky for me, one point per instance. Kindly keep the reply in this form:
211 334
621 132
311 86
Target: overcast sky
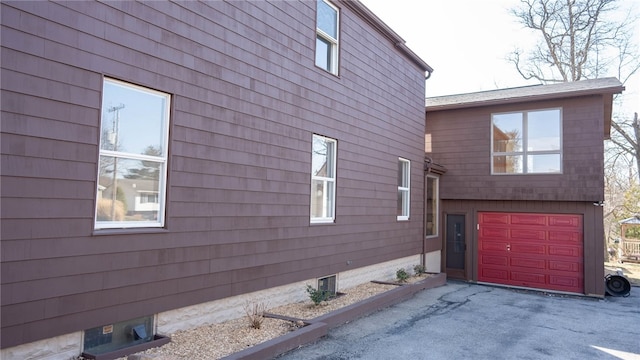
467 42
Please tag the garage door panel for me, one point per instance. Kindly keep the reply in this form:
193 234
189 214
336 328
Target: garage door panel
527 279
494 260
528 219
542 251
528 234
531 263
569 251
497 275
562 282
495 233
564 266
499 246
570 221
565 237
494 218
520 248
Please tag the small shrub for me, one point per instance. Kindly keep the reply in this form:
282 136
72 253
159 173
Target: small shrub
317 296
419 269
255 314
402 275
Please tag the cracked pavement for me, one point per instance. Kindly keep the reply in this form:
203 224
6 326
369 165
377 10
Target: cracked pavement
470 321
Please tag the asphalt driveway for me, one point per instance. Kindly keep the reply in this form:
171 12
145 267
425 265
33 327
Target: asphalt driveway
468 321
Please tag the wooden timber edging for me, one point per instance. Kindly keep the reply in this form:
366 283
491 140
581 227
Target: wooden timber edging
320 326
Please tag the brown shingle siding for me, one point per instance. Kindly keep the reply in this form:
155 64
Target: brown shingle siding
469 167
246 99
24 114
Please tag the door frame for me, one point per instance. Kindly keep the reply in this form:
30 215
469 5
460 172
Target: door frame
456 273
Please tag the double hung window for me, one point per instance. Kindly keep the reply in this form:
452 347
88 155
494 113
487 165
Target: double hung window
431 206
327 33
404 181
132 168
528 142
323 179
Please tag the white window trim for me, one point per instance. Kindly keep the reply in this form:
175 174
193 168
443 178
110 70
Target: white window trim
333 68
407 205
436 211
162 181
525 139
324 179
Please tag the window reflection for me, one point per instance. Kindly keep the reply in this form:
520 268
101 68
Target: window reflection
133 156
327 19
323 159
527 142
404 168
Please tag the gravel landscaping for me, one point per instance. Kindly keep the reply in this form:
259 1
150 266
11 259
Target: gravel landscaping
219 340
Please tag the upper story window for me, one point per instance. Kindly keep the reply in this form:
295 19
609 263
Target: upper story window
132 168
431 205
528 142
327 34
323 179
404 181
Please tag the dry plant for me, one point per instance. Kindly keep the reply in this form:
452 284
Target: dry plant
255 313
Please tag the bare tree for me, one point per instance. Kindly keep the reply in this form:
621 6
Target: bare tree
580 41
626 137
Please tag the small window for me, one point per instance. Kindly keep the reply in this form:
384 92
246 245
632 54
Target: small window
404 181
527 142
323 179
328 285
327 20
112 337
431 206
133 156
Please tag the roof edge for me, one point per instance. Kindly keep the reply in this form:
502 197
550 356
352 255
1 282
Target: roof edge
372 19
515 98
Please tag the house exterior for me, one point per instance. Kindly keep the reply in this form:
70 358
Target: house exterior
165 162
524 184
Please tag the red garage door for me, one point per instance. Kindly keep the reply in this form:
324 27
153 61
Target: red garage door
541 251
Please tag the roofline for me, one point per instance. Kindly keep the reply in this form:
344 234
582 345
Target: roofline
614 89
373 20
604 87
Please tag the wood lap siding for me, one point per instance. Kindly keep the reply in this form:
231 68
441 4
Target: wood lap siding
469 166
246 99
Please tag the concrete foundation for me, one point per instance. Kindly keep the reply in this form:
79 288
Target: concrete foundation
69 346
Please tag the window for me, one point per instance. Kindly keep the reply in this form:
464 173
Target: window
327 17
328 285
146 198
133 156
431 206
404 169
527 142
116 336
323 179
